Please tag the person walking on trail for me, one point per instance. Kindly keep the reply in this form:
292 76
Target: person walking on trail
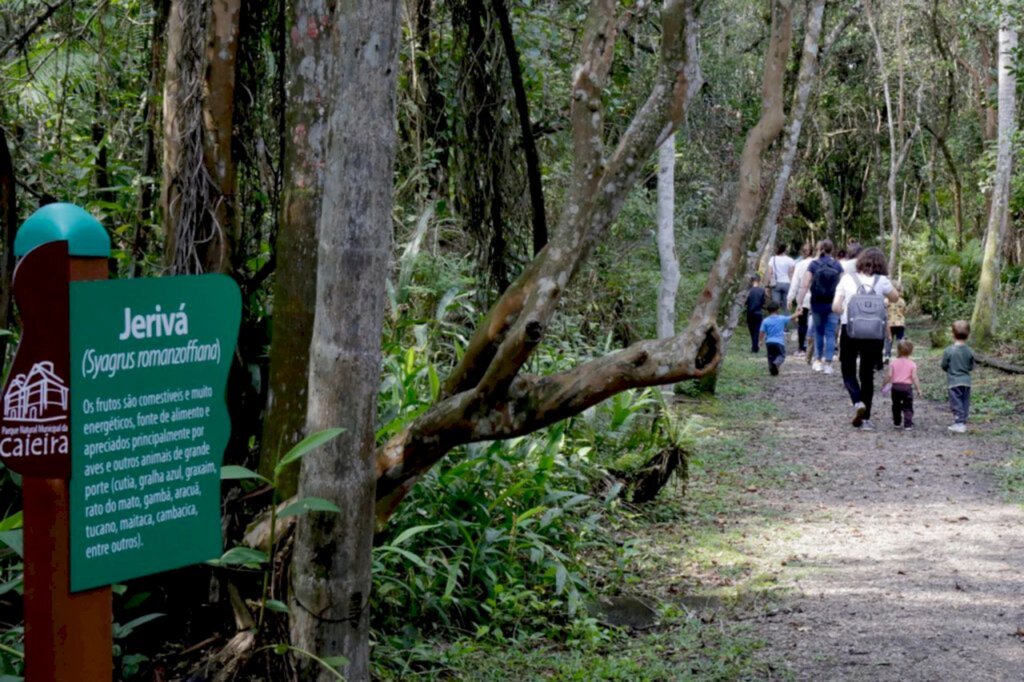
773 334
820 283
848 256
958 363
780 272
860 300
803 307
755 311
901 378
897 321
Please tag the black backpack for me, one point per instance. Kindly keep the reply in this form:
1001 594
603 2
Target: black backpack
825 280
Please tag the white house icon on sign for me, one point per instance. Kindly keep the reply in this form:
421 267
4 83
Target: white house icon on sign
39 396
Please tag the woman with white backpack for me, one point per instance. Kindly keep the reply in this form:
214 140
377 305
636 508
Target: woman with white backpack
860 300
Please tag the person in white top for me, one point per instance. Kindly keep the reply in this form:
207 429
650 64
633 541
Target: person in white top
780 273
860 383
804 308
849 261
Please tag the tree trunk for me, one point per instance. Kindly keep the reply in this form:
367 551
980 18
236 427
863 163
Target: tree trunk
331 564
895 156
533 175
432 120
150 146
480 159
806 81
295 288
666 235
218 115
666 321
199 170
983 320
8 228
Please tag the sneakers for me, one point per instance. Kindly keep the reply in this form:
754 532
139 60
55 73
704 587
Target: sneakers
827 369
908 428
817 366
958 428
773 369
866 425
860 410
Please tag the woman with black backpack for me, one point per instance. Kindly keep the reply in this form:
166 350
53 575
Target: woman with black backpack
860 299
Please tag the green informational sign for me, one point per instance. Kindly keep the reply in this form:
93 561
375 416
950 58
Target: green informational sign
149 423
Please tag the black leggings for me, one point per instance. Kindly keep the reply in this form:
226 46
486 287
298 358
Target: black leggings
860 383
754 327
801 328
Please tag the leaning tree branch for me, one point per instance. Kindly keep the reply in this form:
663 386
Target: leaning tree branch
588 217
773 117
536 402
486 381
595 197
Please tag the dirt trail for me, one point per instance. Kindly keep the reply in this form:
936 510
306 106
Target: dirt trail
902 561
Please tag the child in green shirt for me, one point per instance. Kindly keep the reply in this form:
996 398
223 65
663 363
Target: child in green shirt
958 363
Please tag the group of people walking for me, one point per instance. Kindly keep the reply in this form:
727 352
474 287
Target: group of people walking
849 306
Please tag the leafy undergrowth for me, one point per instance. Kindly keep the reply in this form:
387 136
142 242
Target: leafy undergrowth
498 555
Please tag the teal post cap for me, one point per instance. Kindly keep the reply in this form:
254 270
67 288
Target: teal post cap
63 222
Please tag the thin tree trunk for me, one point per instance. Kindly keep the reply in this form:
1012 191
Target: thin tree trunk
331 563
150 146
218 115
199 169
666 321
533 175
295 287
666 236
8 228
896 154
983 320
806 81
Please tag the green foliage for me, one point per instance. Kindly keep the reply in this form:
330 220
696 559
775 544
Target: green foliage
493 537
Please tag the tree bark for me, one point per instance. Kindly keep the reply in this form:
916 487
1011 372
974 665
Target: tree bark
308 89
669 284
218 116
983 320
666 235
331 564
806 82
533 175
8 228
150 146
199 169
768 128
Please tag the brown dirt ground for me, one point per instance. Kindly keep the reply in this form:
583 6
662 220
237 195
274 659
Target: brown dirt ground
901 558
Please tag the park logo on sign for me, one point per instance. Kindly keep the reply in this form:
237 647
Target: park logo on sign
35 418
35 408
39 396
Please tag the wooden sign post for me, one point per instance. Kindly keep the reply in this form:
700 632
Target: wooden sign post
68 636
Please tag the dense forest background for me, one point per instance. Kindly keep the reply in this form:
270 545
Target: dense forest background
206 135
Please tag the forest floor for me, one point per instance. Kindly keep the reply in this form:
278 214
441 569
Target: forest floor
803 549
885 555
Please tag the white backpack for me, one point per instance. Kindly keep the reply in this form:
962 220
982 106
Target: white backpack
866 317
